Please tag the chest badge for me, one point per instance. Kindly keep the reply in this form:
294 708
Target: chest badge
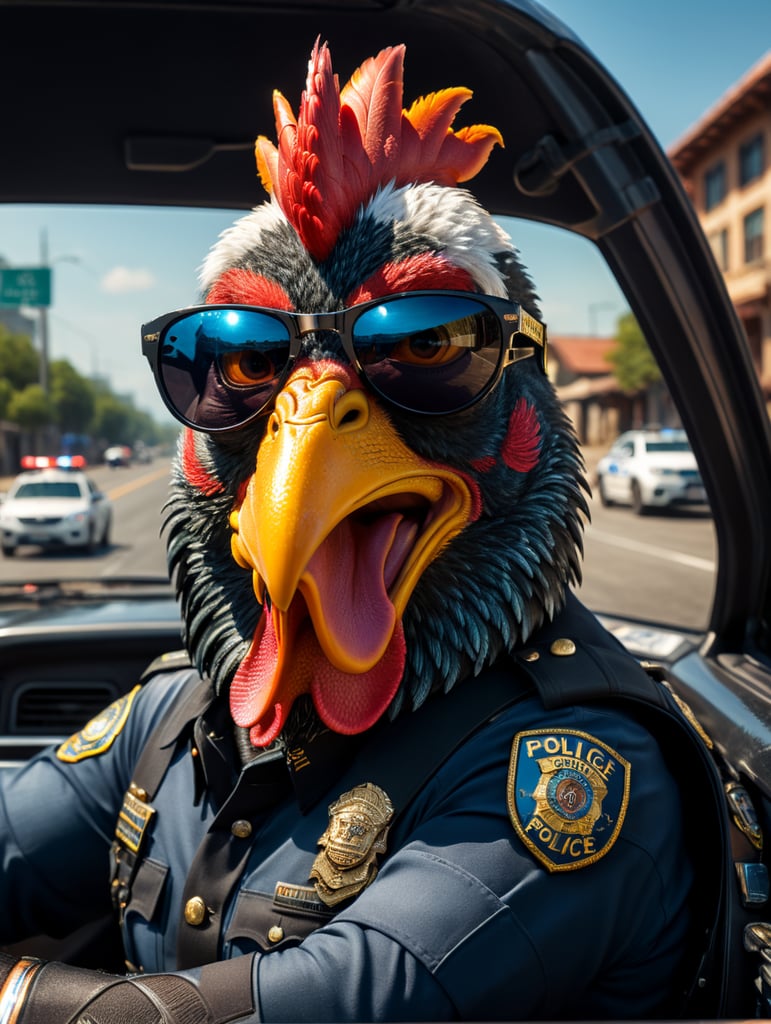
353 839
567 795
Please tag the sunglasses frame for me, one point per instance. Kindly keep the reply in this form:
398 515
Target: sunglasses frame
522 336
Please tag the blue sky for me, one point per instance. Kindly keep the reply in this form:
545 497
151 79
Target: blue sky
674 58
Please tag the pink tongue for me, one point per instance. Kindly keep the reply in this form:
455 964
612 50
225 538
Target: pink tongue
350 572
349 576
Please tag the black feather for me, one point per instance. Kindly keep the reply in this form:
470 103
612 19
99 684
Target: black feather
489 589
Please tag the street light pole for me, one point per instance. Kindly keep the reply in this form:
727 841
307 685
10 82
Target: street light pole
594 308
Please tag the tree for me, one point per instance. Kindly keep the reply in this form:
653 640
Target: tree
19 359
633 364
6 393
112 419
72 398
30 408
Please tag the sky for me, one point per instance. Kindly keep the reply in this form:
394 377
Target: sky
674 58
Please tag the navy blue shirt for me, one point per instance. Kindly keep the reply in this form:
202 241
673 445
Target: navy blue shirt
464 918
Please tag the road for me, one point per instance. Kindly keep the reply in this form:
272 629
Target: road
659 567
137 494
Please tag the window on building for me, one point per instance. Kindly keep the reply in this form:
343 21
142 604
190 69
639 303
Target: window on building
751 159
718 241
714 186
753 235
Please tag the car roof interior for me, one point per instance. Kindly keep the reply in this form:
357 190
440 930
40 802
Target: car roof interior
159 102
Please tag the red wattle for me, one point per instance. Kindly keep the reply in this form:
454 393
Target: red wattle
350 704
263 689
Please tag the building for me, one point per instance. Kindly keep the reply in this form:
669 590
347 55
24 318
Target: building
581 371
724 161
583 378
12 439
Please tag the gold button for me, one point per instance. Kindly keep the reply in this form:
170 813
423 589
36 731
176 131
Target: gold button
195 911
241 829
276 933
531 656
563 647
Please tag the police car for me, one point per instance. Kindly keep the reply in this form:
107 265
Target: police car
54 508
650 469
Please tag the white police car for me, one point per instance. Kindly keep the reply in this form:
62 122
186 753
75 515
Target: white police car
54 508
650 469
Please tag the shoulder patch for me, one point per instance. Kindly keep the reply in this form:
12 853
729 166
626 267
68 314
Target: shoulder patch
567 795
98 735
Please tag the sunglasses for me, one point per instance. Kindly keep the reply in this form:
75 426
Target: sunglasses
430 352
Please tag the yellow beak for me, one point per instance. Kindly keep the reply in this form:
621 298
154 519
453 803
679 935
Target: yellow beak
341 511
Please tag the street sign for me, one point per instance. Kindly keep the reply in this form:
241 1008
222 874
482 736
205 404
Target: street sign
25 286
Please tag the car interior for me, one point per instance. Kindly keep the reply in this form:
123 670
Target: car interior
157 104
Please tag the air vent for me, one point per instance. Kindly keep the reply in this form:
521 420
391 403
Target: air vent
58 709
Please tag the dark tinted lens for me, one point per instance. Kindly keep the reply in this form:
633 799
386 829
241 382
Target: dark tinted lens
220 366
430 353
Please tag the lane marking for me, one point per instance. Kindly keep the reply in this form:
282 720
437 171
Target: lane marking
133 485
666 554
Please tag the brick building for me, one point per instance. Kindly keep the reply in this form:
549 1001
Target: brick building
724 161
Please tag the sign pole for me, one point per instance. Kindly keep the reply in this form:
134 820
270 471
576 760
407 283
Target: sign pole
44 319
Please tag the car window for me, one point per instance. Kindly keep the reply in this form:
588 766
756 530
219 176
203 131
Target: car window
113 269
659 566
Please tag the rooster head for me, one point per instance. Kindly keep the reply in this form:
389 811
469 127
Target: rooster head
377 492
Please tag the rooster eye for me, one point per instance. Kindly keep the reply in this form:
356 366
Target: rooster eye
427 349
247 368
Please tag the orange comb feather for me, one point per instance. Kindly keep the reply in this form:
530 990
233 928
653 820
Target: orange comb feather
343 146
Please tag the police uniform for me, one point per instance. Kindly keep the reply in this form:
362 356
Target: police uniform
536 866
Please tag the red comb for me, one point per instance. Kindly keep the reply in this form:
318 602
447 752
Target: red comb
343 146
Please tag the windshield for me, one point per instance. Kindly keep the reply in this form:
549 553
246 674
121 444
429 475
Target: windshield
667 446
75 390
47 490
79 387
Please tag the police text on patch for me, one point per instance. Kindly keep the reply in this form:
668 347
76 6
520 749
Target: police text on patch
567 794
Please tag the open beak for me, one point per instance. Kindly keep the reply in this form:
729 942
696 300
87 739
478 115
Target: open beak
338 523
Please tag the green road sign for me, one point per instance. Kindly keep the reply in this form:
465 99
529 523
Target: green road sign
25 286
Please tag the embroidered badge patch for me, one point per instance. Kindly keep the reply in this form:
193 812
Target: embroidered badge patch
567 794
98 735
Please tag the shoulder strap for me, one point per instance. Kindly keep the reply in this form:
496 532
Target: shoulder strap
430 735
137 812
160 747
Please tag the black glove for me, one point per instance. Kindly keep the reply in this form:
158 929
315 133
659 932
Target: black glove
37 992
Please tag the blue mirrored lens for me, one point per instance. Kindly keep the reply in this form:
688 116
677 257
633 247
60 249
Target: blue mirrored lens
429 353
221 366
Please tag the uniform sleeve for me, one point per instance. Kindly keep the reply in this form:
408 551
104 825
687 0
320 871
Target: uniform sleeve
57 820
464 922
